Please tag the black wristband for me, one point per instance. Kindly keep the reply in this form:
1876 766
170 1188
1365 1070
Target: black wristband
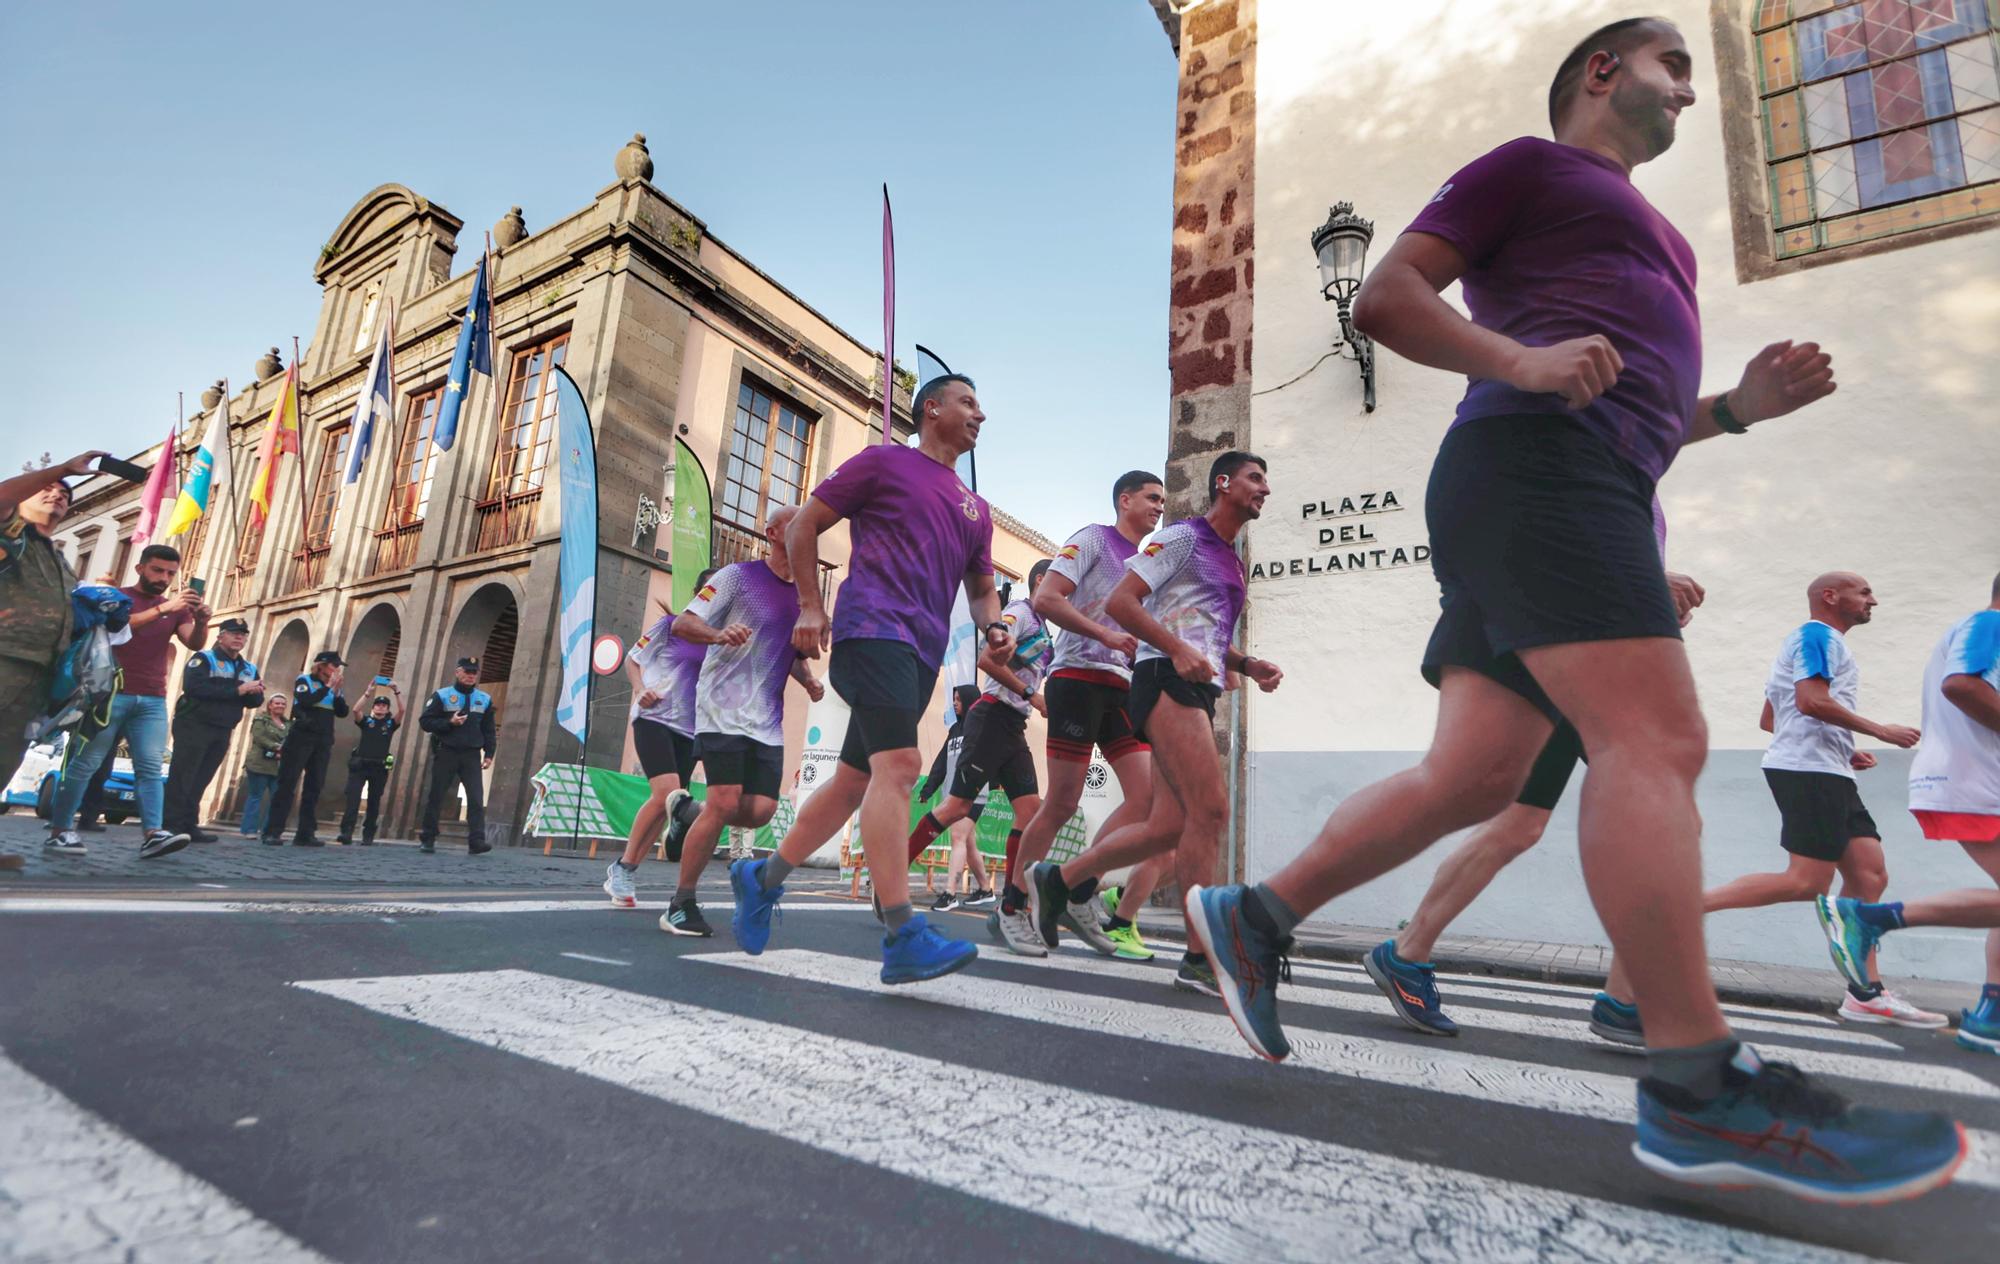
1725 419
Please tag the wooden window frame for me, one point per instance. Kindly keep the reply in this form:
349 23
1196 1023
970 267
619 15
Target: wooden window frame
780 404
502 481
416 431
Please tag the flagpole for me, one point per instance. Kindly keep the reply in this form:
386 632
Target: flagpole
305 513
229 451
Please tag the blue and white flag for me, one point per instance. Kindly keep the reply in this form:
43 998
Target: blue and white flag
378 394
474 355
576 570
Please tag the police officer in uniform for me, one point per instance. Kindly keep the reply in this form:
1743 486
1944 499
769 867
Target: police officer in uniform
459 718
217 686
316 704
369 763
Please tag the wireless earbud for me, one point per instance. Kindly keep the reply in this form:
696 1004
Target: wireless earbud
1609 66
1223 482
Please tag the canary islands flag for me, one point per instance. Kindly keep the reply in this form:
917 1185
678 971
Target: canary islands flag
576 560
208 471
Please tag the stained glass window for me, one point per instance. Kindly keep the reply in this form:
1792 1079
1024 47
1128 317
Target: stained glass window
1879 116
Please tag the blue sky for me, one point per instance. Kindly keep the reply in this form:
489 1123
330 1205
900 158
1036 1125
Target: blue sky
174 169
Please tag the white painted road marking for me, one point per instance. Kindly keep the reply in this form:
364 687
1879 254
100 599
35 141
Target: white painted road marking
1919 1075
72 1187
1439 1069
603 961
1208 1189
332 907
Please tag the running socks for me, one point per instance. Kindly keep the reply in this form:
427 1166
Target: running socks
1013 849
928 828
1013 899
628 868
1696 1070
1880 917
1115 922
894 917
1264 910
775 871
1083 891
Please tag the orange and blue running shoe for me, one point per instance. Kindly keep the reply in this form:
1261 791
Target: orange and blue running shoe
1411 987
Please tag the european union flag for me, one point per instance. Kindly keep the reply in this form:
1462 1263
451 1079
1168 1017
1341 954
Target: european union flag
474 355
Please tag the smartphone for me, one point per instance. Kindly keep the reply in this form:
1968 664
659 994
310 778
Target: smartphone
123 469
384 680
197 585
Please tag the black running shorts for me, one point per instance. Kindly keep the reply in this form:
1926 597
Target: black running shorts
730 759
663 750
1550 775
995 753
1089 709
886 688
1822 812
1155 678
1540 535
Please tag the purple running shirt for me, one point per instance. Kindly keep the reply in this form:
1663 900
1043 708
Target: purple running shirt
742 689
1094 560
916 533
1559 245
667 666
1197 583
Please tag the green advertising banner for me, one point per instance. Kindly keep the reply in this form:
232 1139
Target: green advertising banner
692 534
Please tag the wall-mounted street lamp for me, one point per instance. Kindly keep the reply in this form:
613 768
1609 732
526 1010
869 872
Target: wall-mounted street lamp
1342 246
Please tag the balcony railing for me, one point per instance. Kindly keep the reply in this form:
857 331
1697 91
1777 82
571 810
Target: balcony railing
242 586
308 567
396 548
734 544
507 520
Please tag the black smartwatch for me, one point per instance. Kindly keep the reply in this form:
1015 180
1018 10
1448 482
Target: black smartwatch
1725 420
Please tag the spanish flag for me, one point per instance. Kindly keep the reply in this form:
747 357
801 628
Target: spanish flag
281 435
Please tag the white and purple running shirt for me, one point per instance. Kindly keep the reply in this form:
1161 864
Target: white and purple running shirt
1197 583
916 532
668 666
1094 560
742 689
1022 622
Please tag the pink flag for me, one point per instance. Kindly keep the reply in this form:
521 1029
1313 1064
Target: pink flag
156 490
888 320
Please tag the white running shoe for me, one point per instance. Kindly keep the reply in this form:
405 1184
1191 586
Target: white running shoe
1082 917
1891 1009
1019 933
619 885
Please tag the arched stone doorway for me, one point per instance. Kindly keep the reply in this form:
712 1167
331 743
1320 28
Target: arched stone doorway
487 626
283 660
287 656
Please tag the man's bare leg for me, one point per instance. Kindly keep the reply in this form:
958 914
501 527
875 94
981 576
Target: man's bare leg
1633 704
885 815
650 819
1467 872
1140 886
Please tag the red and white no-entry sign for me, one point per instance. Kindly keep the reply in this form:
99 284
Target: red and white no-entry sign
607 654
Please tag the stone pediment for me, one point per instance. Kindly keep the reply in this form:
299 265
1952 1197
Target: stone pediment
384 217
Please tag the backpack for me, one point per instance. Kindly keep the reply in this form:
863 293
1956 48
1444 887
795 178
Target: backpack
86 676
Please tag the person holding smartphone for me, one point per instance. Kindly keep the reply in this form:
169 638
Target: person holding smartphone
35 582
368 764
217 687
459 718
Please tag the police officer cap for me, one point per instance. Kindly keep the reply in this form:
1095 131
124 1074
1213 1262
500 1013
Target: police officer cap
381 700
328 656
232 624
468 664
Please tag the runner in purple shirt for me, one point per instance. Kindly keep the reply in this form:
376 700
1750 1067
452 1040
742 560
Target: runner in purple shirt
916 533
744 616
662 668
1182 596
1582 354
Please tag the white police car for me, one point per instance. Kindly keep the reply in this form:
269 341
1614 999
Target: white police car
34 782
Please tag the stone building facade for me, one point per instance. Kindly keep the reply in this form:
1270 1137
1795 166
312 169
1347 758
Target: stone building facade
431 555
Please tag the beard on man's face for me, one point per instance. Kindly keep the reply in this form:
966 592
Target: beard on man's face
152 587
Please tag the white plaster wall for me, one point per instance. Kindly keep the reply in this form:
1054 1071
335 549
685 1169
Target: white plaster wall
1894 476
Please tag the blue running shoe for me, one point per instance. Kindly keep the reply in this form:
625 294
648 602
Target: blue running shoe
1849 940
1613 1020
750 922
1771 1126
1411 987
1248 966
1979 1031
916 952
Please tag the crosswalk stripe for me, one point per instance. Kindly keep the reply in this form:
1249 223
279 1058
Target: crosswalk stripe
1919 1075
1482 1077
73 1187
1458 1000
1209 1190
575 905
1487 982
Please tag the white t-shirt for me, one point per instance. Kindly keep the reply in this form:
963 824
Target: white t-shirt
1957 768
1800 743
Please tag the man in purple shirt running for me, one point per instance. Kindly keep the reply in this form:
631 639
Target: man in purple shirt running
744 616
1583 354
917 533
663 669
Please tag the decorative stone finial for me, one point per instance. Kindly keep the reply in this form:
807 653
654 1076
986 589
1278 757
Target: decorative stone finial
510 229
270 365
634 162
212 396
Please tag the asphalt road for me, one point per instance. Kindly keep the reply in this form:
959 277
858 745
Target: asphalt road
189 1076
